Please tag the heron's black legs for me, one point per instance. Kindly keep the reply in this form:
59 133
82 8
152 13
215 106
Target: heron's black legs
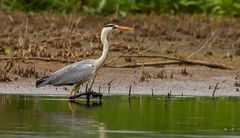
93 79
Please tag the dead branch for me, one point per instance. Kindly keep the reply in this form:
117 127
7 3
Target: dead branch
145 64
148 56
38 58
177 61
157 63
180 61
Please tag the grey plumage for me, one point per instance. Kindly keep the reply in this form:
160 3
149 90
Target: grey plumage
78 72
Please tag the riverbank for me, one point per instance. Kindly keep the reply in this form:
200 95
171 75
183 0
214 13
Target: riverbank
196 81
42 43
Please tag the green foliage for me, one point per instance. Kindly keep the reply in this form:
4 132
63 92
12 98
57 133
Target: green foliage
62 6
216 7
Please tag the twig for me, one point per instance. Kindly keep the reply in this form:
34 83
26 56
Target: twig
86 90
109 83
237 77
215 89
169 95
116 58
205 44
109 86
152 92
142 77
145 51
111 61
125 55
129 91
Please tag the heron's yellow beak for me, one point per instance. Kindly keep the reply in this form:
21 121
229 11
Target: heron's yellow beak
122 28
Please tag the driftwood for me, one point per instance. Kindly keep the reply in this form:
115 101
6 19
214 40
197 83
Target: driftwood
157 63
175 61
38 58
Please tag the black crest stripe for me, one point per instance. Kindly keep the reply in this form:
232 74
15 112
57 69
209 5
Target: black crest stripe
109 25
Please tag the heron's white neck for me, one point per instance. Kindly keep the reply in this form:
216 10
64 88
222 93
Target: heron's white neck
104 41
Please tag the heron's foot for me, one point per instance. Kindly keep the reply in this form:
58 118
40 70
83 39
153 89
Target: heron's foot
74 90
72 93
88 95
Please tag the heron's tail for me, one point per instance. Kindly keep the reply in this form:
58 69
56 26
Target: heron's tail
42 82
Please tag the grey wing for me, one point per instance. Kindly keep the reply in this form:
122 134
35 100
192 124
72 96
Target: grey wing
75 73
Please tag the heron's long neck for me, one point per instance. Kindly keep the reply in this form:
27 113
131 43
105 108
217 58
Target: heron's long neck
100 61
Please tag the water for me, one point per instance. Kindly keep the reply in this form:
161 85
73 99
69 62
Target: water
116 116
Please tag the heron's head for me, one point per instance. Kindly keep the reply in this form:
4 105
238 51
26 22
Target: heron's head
110 27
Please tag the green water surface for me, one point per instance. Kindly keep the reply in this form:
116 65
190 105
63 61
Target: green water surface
116 116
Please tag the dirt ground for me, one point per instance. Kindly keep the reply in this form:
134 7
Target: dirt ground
32 46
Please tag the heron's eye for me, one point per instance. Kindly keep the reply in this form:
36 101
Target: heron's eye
114 27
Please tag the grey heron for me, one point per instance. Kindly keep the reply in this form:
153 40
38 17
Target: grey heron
77 73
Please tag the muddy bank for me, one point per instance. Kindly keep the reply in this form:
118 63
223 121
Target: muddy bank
200 81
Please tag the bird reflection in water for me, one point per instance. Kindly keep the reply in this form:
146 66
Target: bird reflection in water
72 104
4 99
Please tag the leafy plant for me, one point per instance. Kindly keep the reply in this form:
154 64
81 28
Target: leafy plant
215 7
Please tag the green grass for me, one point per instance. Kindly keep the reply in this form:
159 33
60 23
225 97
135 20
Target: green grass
208 7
